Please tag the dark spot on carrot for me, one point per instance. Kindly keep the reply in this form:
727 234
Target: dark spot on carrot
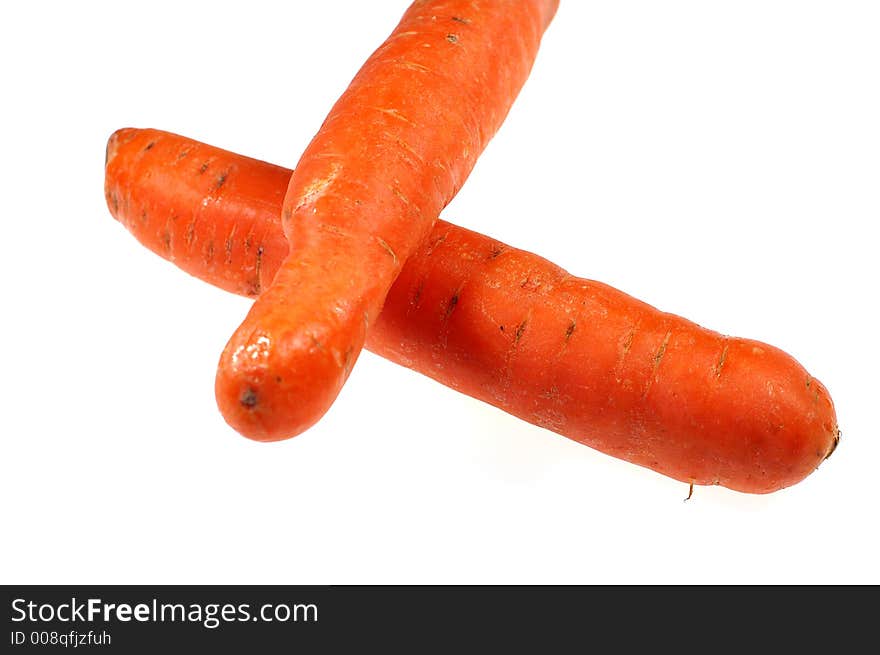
183 153
248 242
209 250
254 288
809 381
221 179
450 307
658 356
501 327
227 246
628 341
417 296
248 398
531 283
570 330
166 239
144 216
723 359
190 233
150 146
661 351
259 266
203 167
278 379
520 329
496 250
459 19
452 38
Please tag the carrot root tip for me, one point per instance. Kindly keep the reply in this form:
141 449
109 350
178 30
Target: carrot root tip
833 444
248 398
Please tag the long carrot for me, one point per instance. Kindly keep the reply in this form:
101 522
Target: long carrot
506 327
393 151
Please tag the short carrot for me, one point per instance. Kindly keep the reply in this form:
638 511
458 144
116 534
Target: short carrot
393 151
506 326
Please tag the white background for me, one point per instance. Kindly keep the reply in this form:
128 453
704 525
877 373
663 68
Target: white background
719 160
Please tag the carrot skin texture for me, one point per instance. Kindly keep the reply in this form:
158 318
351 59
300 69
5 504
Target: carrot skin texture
198 206
393 151
507 327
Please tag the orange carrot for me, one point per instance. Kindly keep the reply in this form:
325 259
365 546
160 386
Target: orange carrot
393 151
506 327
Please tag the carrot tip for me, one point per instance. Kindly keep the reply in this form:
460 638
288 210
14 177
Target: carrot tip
248 398
833 444
118 138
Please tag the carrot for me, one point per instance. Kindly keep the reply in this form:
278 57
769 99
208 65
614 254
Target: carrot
507 327
393 151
